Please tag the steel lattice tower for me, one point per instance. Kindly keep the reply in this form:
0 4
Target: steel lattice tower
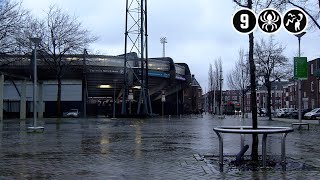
136 40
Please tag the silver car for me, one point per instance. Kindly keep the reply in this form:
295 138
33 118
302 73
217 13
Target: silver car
72 113
312 114
281 112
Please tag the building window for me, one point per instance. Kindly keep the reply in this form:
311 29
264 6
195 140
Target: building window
304 94
312 86
311 69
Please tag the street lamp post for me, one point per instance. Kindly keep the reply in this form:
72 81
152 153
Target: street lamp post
35 128
177 102
299 81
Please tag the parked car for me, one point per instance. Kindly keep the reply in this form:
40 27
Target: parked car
289 112
303 112
262 111
312 114
72 113
285 112
281 113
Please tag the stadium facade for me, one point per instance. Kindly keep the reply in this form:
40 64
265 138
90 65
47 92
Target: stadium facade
90 83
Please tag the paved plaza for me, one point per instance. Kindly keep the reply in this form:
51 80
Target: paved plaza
142 149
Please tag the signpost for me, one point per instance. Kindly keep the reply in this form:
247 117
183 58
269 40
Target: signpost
300 68
300 73
130 98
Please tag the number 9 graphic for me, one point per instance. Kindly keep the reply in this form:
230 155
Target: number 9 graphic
244 21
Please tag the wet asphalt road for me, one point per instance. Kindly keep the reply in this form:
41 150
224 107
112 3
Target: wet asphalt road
138 149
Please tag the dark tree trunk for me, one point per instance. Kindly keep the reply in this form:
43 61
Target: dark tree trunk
268 85
255 140
243 105
59 98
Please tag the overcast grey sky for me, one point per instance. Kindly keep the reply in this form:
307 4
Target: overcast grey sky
198 31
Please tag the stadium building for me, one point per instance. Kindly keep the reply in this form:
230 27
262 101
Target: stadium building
90 83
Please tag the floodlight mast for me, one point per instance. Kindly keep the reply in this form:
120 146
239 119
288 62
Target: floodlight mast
163 41
136 40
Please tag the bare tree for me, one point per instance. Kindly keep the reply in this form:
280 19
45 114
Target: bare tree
211 87
218 83
239 79
12 20
271 64
61 34
255 6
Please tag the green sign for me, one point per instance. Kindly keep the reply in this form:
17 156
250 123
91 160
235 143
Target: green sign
300 68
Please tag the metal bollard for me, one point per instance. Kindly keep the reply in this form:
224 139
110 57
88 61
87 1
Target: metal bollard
169 116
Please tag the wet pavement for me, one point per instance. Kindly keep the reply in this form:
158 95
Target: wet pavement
142 149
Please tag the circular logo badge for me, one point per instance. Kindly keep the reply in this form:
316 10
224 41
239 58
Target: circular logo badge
295 21
269 20
244 21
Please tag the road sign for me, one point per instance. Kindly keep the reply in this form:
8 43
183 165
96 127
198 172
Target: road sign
300 68
130 95
163 96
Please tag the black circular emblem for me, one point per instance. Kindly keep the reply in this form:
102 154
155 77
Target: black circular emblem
295 21
269 20
244 21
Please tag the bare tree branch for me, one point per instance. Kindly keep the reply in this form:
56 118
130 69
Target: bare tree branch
314 20
238 2
61 35
12 20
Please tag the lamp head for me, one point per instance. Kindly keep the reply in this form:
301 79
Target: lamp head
35 40
300 35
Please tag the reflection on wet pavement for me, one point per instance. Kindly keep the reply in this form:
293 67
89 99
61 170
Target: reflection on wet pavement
134 148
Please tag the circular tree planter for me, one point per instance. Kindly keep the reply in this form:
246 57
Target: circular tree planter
264 130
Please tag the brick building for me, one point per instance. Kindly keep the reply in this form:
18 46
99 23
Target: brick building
311 86
285 94
278 96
